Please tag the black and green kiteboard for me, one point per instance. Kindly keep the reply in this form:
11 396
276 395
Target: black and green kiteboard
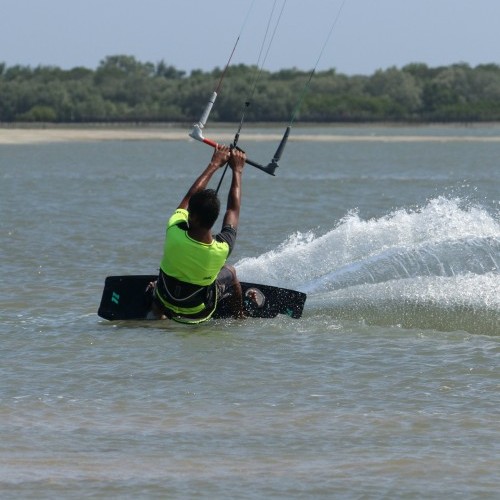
127 298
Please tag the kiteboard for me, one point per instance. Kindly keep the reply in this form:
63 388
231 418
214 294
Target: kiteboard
130 298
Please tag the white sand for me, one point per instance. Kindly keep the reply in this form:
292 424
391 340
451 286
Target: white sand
58 134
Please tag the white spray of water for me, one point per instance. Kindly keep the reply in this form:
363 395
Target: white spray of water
446 253
304 257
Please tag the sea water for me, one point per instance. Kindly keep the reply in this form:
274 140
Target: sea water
388 387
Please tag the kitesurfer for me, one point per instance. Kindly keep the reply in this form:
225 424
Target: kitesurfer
193 274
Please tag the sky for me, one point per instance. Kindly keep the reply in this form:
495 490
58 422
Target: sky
367 35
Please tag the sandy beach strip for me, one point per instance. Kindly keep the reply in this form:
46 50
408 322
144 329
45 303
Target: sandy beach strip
26 135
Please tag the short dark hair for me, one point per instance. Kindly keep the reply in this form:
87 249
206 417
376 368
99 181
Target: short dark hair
206 206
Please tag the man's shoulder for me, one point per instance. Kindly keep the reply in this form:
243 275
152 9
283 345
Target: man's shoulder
180 215
228 236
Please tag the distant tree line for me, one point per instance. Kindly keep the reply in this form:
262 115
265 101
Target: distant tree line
123 89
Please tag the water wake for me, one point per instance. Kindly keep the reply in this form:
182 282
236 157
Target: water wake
436 267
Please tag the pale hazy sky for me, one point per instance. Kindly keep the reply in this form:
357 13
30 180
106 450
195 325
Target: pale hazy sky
199 34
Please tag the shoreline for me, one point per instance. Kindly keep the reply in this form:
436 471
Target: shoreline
23 134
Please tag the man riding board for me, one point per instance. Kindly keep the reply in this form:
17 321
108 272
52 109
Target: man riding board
193 274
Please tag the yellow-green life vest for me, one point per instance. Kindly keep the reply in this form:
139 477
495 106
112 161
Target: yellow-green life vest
189 260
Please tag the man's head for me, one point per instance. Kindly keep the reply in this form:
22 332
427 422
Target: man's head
204 208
